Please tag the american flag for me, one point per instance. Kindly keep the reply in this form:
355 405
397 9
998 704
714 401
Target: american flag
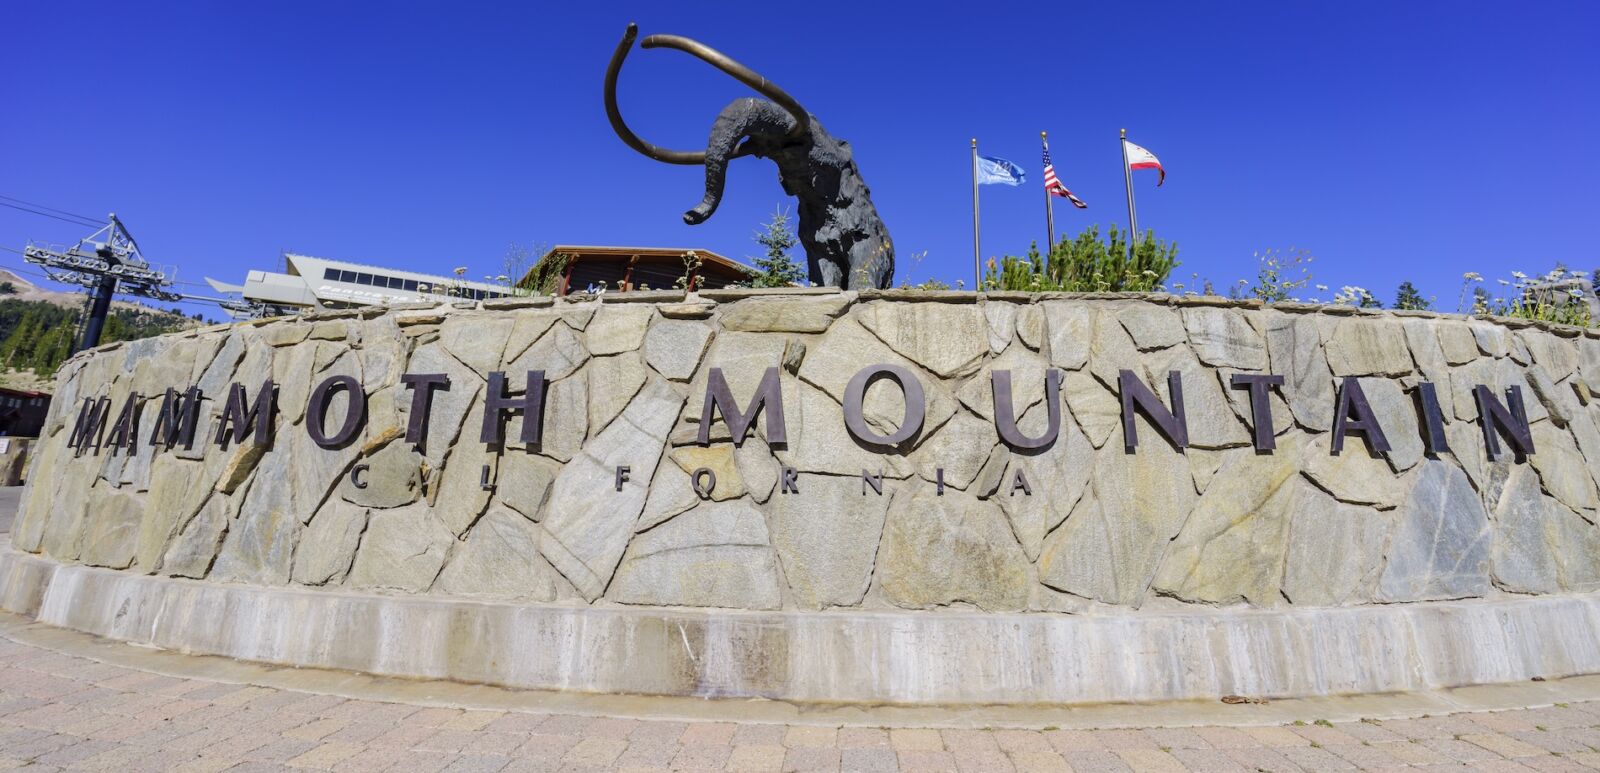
1054 185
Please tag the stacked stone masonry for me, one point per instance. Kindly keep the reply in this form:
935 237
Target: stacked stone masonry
1104 531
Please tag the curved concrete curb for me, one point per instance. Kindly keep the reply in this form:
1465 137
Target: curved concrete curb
459 695
843 657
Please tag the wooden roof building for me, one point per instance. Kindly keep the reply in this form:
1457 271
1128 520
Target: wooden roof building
575 268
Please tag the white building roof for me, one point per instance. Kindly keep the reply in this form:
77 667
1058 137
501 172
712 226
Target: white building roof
322 283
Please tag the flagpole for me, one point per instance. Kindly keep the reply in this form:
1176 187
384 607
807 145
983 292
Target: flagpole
1127 179
1049 209
977 260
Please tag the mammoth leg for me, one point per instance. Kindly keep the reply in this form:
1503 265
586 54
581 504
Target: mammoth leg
826 273
745 117
872 263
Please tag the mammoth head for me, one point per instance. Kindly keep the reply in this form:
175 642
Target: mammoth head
736 122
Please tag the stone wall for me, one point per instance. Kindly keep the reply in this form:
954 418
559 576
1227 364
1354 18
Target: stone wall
1097 530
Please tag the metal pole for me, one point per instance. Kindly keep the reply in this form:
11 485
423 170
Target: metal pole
1049 210
1127 179
977 259
99 307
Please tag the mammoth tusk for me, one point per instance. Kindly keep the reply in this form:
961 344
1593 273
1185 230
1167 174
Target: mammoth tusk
615 115
721 61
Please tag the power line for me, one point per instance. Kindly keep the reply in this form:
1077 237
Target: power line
49 209
86 224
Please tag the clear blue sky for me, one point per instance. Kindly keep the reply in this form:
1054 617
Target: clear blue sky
1393 140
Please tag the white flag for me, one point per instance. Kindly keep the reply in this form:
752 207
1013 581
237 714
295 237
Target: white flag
1139 158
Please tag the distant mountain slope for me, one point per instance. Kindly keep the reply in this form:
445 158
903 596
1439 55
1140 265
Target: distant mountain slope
38 327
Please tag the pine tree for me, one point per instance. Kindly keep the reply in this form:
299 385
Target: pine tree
777 268
1369 301
1087 264
116 329
1409 299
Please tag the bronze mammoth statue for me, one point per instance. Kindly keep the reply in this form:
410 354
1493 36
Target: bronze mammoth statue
846 243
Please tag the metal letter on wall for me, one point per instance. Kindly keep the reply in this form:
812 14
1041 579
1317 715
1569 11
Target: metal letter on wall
1172 425
355 413
1005 412
855 394
242 420
1497 419
90 425
875 482
768 398
421 386
177 419
1260 387
80 428
704 481
1353 401
497 404
1433 438
125 433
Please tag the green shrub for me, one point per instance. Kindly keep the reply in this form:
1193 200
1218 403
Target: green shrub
1087 264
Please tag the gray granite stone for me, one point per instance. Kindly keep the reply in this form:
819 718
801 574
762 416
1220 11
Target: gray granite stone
826 535
784 315
1233 545
1335 550
1296 354
500 558
585 533
948 339
675 347
1110 547
941 550
616 329
716 555
1151 326
403 549
1070 330
1440 548
329 544
1223 338
1360 346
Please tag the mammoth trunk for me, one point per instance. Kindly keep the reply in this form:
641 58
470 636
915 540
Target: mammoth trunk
753 118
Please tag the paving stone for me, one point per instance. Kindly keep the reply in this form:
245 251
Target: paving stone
172 723
1039 762
757 758
914 739
1095 762
806 759
1208 760
869 760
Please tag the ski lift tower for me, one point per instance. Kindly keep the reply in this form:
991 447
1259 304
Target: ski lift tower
105 262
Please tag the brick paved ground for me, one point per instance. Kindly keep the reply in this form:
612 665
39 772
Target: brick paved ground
60 711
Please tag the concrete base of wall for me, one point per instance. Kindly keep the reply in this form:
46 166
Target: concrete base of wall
830 657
